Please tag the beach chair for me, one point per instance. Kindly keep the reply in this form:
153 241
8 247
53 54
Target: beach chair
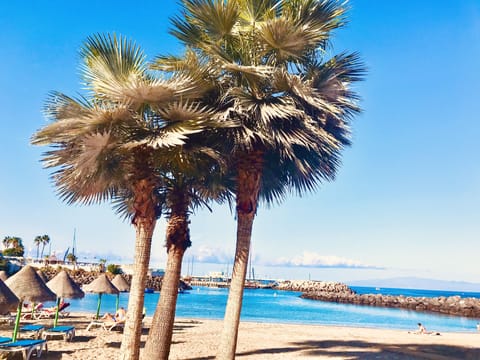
35 330
96 323
4 339
32 314
27 347
67 332
7 318
49 313
119 325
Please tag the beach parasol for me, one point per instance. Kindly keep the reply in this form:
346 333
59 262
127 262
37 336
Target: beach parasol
3 275
27 285
101 285
64 287
8 300
122 285
42 276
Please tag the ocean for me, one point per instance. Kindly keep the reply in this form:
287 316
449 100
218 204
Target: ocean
273 306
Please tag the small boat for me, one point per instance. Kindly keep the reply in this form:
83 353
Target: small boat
149 291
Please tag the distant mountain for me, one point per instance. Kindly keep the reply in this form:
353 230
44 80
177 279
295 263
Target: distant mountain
417 283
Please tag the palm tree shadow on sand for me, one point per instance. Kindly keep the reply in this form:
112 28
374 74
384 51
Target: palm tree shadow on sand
353 350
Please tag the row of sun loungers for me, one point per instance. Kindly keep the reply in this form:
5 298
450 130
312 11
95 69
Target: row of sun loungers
38 343
39 334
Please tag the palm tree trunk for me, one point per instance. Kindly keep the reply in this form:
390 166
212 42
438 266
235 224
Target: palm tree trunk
144 221
248 187
161 331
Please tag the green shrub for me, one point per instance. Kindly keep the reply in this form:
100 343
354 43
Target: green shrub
15 251
114 269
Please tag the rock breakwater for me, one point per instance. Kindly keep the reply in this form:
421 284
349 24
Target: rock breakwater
313 286
452 305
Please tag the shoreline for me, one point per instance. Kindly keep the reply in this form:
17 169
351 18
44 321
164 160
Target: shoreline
196 338
473 331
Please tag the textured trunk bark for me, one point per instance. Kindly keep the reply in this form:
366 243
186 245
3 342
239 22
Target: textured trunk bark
161 331
144 221
160 335
248 187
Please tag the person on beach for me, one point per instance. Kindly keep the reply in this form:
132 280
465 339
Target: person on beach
118 317
422 330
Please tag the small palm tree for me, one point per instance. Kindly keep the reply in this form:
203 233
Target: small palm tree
294 105
44 240
37 241
114 145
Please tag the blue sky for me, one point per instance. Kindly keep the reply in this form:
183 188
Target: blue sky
405 202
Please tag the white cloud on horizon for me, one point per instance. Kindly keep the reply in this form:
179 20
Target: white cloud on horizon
217 255
315 260
211 255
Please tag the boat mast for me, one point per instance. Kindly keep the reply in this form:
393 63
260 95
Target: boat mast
74 244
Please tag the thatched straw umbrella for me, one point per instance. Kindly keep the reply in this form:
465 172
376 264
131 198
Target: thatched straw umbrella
3 275
64 287
101 285
42 276
27 285
8 300
122 285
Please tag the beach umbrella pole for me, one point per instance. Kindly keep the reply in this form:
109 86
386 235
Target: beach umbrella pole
98 305
17 321
56 312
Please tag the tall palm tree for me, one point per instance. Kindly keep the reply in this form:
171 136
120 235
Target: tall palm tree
294 104
44 240
37 241
191 182
111 145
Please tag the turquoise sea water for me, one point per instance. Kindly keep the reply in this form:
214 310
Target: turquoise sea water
275 306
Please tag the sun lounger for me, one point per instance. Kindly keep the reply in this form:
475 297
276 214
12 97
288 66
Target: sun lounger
96 323
36 330
68 332
4 339
27 347
115 325
50 313
106 325
7 319
32 314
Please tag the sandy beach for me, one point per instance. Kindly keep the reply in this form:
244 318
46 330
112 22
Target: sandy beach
197 339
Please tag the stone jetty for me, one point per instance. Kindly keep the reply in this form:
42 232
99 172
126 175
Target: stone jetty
452 305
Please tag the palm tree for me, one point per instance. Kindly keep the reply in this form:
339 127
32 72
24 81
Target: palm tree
37 241
7 241
294 104
191 182
111 145
44 240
